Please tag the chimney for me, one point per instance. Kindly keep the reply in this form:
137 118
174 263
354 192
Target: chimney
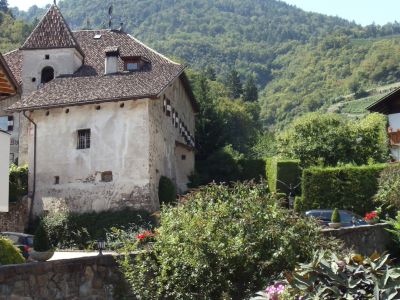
111 62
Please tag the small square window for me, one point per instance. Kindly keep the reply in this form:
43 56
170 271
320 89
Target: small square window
131 66
183 157
33 79
10 126
107 176
83 139
169 108
56 179
47 57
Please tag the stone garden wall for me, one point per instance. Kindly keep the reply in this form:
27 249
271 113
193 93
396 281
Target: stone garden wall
17 219
363 239
82 278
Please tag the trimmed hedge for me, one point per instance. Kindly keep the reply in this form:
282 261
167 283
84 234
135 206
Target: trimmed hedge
347 187
18 182
287 171
252 169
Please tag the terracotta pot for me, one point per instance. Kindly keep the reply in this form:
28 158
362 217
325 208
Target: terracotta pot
335 225
41 256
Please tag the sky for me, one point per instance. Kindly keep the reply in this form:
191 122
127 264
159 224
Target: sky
362 11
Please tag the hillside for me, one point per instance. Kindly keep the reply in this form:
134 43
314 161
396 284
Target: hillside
302 61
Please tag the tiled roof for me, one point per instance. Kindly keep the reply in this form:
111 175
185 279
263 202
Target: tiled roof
51 32
90 85
14 62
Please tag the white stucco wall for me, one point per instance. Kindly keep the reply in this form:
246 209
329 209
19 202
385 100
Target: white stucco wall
394 124
119 143
4 104
166 157
4 173
63 61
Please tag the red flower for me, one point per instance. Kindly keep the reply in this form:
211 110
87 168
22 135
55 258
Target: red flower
371 216
145 234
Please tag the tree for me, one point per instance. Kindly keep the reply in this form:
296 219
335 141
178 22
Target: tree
250 92
4 6
234 85
210 73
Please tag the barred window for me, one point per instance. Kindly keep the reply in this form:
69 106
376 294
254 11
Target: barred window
84 139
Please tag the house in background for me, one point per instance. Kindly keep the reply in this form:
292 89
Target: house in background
390 105
9 94
106 115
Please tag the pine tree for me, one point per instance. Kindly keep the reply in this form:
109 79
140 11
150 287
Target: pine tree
234 85
211 74
4 6
250 93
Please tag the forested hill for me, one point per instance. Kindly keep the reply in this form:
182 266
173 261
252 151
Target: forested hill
302 61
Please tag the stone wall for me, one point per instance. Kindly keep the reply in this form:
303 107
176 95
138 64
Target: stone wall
82 278
363 239
17 218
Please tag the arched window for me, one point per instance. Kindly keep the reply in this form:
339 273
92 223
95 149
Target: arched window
47 74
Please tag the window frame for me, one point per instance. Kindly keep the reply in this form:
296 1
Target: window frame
84 139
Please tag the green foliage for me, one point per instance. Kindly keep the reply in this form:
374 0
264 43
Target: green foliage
329 139
166 191
264 146
229 240
250 90
41 241
388 194
72 230
9 254
346 187
281 174
251 169
335 216
395 230
329 276
12 32
18 182
234 85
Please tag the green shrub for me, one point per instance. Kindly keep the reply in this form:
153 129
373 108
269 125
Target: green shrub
251 169
347 187
9 254
41 241
335 216
282 173
388 194
166 191
222 243
73 230
18 182
329 276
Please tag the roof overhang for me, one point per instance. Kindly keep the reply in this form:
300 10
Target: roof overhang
8 84
385 105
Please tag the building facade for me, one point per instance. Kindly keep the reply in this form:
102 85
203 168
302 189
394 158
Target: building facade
105 117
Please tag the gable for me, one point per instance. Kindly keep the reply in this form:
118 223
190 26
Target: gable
8 84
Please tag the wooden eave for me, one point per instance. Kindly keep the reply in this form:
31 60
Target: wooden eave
389 104
8 84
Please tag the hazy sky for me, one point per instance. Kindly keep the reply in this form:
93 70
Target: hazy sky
362 11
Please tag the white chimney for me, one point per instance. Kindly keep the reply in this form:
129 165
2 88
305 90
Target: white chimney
111 61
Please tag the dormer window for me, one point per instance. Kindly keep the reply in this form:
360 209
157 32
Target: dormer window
135 63
132 66
47 74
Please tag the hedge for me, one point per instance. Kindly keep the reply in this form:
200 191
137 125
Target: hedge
251 169
347 187
18 182
287 171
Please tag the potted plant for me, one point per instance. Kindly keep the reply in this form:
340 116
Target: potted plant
42 249
372 217
335 220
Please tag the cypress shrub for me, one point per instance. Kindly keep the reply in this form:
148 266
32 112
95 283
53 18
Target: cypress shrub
41 240
166 191
18 182
347 187
287 171
335 216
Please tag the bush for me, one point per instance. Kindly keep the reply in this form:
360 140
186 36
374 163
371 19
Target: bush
388 194
9 254
18 182
222 243
251 169
329 276
41 242
73 230
347 187
335 216
166 191
286 171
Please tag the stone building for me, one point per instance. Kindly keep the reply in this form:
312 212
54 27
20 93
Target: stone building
9 94
108 116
